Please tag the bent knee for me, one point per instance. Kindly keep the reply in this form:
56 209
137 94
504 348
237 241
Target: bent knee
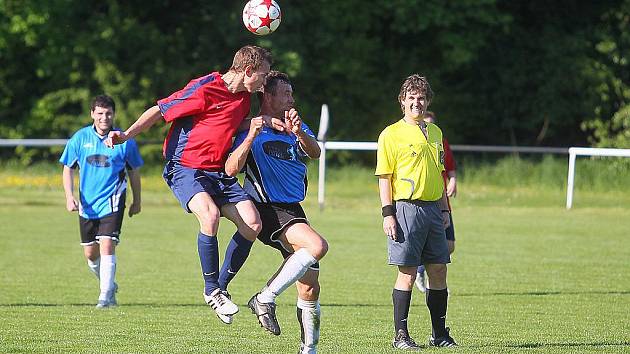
209 217
321 248
250 229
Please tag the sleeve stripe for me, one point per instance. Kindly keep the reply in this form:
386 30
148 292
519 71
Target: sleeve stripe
164 107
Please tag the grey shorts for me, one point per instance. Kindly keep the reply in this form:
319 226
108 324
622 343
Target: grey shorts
420 235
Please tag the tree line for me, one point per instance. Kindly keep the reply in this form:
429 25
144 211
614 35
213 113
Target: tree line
541 73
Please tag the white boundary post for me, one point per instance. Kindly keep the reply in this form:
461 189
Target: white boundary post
580 151
570 178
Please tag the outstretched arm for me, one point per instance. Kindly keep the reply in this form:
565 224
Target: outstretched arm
238 157
146 120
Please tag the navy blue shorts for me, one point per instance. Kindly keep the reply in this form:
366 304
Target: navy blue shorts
185 182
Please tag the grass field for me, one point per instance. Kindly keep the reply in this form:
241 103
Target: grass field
527 275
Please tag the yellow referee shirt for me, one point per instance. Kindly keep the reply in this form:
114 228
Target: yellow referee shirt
415 162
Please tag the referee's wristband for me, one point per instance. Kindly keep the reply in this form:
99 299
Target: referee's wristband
388 210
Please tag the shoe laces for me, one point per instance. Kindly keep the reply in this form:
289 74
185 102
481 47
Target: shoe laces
219 299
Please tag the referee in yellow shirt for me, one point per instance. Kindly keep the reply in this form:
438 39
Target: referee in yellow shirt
410 160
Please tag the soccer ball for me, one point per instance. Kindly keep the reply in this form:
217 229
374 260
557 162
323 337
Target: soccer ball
262 17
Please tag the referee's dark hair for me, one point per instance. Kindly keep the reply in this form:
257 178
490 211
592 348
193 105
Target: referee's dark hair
103 101
415 83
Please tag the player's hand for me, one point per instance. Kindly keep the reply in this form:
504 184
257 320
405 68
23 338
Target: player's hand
71 204
389 226
255 126
451 188
446 220
274 123
293 121
134 209
115 137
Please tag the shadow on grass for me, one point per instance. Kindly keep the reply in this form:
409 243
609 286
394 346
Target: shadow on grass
548 293
568 345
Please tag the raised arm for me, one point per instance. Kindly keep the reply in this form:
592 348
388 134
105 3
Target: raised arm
238 157
146 120
307 142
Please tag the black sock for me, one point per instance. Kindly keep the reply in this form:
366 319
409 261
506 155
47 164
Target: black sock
401 301
436 302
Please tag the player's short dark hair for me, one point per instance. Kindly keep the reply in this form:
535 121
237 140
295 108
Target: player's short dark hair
103 101
250 55
415 83
273 79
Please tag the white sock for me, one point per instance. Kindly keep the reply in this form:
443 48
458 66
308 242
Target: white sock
108 273
309 313
293 269
95 267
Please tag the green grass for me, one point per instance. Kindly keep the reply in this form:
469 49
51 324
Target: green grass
527 275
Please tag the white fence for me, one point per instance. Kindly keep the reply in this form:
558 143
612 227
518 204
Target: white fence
573 152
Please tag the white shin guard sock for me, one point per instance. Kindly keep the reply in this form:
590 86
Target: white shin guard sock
95 267
293 269
108 273
309 313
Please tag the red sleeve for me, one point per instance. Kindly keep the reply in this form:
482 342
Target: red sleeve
449 160
186 102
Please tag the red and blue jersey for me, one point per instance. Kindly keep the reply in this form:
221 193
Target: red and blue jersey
205 116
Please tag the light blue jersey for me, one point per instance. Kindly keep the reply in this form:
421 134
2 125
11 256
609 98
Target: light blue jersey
102 176
275 171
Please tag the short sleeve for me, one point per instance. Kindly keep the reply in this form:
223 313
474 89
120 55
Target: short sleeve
70 155
384 155
186 102
449 159
132 155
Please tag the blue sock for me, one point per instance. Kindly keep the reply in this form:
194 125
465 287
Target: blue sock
208 248
235 256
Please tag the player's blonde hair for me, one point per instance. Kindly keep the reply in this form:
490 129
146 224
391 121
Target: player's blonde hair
415 83
250 55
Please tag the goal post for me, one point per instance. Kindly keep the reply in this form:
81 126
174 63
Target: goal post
582 151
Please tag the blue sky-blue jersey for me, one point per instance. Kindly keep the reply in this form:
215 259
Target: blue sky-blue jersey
275 171
102 176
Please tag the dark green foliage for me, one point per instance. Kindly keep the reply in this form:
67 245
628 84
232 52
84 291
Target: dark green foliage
504 72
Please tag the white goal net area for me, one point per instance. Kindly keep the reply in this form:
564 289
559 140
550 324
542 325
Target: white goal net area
574 152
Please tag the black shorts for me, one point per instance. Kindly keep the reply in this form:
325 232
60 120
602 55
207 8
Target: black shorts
275 218
107 227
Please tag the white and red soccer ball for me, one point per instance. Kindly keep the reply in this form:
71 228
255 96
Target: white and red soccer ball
262 17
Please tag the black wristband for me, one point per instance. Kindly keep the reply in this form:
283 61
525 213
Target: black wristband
446 211
388 210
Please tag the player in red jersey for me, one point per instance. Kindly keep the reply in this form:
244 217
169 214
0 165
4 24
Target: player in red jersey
204 117
450 184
